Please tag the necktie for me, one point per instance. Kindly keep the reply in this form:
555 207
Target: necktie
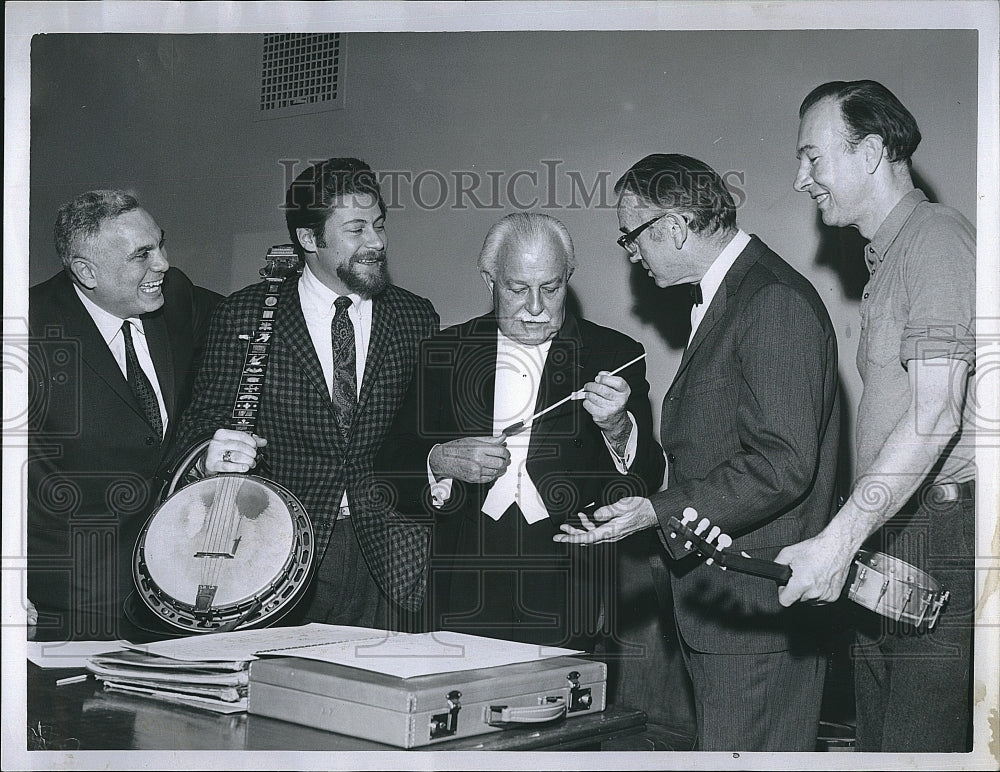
140 384
695 290
345 389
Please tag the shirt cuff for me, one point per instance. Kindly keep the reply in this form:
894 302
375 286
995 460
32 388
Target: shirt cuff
440 489
623 463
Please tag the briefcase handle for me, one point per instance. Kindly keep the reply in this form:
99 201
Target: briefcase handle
502 715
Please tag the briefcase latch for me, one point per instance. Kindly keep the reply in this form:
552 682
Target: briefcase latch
580 697
446 724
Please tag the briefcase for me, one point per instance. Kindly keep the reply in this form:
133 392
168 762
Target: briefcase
428 709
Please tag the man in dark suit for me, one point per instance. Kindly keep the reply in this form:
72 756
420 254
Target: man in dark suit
498 498
750 428
115 338
343 351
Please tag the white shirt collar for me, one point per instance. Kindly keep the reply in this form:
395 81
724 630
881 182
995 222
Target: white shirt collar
716 273
315 293
107 323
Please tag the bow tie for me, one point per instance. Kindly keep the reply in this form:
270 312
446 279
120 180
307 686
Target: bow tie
695 290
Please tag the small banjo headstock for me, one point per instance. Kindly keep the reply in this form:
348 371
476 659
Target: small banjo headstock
282 261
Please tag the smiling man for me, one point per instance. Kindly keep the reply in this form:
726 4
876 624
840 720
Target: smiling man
914 491
343 351
750 426
497 498
115 337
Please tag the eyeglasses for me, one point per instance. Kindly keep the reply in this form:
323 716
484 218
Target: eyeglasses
628 238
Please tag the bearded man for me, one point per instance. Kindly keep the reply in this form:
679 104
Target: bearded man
342 355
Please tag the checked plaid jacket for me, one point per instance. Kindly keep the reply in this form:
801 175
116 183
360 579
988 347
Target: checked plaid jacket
305 452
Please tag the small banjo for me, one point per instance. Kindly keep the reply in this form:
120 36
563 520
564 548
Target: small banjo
878 582
229 551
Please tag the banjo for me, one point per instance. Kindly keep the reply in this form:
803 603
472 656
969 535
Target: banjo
878 582
229 551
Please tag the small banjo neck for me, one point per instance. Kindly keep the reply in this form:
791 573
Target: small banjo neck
878 582
282 261
709 542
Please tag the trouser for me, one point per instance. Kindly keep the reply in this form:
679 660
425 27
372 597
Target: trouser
343 591
756 702
508 579
912 685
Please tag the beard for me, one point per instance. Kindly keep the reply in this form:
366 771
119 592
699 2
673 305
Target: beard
366 279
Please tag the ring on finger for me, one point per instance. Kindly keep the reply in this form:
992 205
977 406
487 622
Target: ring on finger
227 456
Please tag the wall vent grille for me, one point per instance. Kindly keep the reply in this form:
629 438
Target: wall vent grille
300 74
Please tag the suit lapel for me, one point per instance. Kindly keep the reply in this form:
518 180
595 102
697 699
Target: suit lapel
94 349
476 376
160 351
564 368
383 326
721 301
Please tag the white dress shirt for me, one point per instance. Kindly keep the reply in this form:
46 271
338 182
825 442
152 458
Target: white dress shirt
110 327
715 276
316 300
518 376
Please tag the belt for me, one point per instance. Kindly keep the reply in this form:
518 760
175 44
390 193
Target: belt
951 491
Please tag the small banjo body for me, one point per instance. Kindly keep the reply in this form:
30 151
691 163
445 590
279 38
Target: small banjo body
228 551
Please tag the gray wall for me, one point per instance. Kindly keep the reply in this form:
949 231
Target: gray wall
172 117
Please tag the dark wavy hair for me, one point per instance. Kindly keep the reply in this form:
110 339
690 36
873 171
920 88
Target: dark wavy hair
313 193
683 184
868 107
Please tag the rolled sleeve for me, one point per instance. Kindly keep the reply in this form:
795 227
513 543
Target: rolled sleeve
937 339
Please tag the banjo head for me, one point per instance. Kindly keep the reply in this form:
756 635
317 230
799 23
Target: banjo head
220 546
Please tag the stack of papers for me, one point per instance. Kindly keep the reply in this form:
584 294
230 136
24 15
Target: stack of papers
218 686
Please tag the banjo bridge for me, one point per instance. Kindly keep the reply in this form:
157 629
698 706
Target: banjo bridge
230 554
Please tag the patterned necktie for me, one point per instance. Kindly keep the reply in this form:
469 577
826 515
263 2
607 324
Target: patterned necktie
345 388
140 384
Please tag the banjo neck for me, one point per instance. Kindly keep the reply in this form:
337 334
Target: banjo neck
282 262
878 582
228 551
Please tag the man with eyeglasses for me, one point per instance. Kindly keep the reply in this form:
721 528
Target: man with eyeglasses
750 429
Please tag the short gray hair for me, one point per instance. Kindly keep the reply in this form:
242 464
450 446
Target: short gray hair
82 217
524 228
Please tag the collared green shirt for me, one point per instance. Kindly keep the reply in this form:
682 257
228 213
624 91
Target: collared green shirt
919 303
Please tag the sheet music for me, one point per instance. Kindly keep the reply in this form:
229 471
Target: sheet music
400 654
408 655
242 645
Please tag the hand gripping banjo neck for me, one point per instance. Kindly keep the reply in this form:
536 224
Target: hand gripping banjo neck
878 582
229 551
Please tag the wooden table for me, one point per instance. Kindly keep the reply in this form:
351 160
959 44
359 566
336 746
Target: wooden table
81 716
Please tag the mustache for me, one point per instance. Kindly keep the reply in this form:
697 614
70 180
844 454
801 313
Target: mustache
543 318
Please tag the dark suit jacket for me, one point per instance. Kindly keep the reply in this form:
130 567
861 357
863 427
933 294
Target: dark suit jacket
750 426
92 453
305 452
567 458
